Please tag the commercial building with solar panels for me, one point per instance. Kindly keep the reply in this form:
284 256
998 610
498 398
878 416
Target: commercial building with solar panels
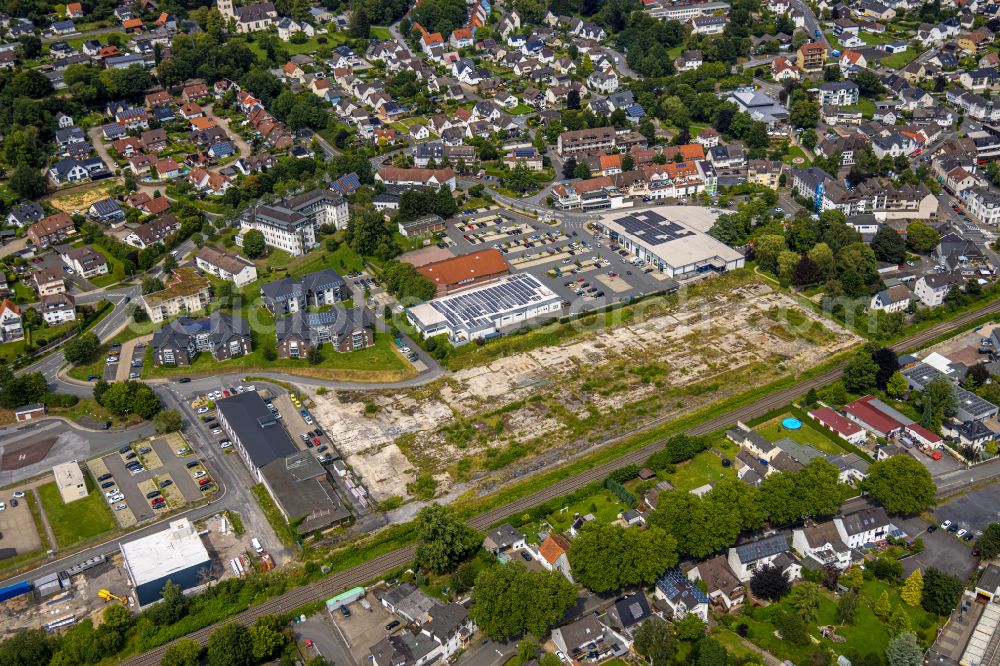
669 246
481 312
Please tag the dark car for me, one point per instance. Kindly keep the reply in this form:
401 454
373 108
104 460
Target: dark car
206 487
107 484
525 556
153 493
953 528
13 502
345 611
322 448
931 528
392 625
165 483
193 463
104 477
144 450
184 380
130 456
319 431
969 536
125 449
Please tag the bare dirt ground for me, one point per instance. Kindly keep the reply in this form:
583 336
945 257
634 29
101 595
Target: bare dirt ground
485 425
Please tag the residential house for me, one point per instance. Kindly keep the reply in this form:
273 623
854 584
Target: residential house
553 554
230 267
585 637
821 546
745 559
626 615
11 323
681 595
503 539
57 308
85 261
152 232
180 341
185 291
931 289
864 527
894 299
722 586
51 230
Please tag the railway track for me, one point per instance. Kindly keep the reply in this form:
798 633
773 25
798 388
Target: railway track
378 566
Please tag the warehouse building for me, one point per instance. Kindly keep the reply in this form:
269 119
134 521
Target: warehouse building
458 273
303 491
481 312
176 554
671 247
254 431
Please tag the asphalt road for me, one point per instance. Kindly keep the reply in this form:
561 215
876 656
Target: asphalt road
374 568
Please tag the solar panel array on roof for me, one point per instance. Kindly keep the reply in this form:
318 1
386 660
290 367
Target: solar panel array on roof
674 585
473 310
757 550
652 228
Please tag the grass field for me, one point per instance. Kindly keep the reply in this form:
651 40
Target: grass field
864 105
706 467
81 199
900 60
77 521
378 363
807 434
793 152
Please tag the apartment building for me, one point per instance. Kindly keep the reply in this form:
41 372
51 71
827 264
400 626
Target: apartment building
811 57
51 230
982 204
290 224
231 267
597 140
186 291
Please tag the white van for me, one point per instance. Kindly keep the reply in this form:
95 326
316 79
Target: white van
256 545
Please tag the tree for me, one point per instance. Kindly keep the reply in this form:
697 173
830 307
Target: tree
185 652
792 627
770 583
549 659
711 653
26 648
938 401
168 420
569 168
888 245
608 557
573 99
897 385
807 273
888 364
921 237
145 402
913 589
847 608
898 622
360 24
805 598
903 650
315 355
655 640
989 542
860 372
27 182
117 617
581 170
510 601
941 592
690 628
902 484
253 244
230 645
81 348
527 649
882 607
444 540
266 638
151 285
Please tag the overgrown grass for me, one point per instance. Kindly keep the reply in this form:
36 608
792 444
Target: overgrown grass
78 521
285 532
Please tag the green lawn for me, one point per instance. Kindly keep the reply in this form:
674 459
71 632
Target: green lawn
900 60
116 270
807 434
706 467
522 109
865 635
77 521
96 366
23 293
378 32
603 504
793 152
380 362
864 105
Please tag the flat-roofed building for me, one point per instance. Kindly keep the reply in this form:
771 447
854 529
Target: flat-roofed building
463 272
176 554
304 493
70 481
485 310
256 434
671 247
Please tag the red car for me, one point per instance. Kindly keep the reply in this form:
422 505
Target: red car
205 480
316 441
309 643
936 455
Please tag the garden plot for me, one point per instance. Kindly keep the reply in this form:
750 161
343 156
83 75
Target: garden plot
484 425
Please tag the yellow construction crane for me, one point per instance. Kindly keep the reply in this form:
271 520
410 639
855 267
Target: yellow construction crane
106 595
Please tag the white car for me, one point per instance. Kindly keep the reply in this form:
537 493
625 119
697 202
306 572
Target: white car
112 492
112 359
225 445
3 505
18 494
200 473
961 533
405 350
216 393
183 450
217 431
120 507
946 524
116 498
308 420
202 410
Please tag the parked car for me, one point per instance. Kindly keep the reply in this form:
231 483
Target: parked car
107 484
193 463
104 477
153 493
184 380
19 494
120 507
165 483
392 625
199 474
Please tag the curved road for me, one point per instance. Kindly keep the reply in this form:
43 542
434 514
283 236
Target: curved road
373 569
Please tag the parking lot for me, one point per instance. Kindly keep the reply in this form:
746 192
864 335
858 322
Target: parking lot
558 256
941 549
18 534
363 628
973 510
299 429
164 470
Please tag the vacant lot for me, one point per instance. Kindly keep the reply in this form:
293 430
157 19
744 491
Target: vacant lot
80 199
541 405
77 521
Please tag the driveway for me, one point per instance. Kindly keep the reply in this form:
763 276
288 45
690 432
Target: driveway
941 550
325 639
238 141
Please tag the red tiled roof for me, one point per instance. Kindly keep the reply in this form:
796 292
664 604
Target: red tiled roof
863 411
835 421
